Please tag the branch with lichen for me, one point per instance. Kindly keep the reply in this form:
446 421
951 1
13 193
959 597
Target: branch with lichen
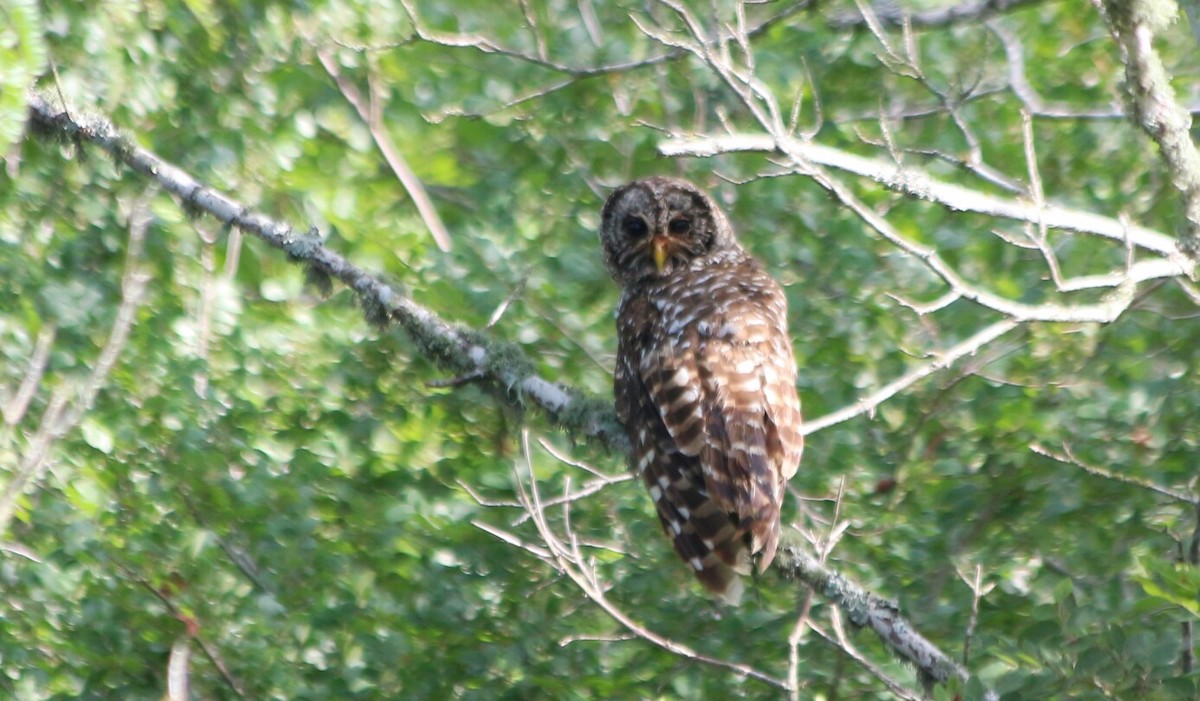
867 610
464 353
1152 100
454 348
470 353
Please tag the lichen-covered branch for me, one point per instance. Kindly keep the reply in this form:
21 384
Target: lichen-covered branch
866 610
1152 100
459 350
454 348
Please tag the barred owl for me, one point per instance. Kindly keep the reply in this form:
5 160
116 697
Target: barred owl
705 380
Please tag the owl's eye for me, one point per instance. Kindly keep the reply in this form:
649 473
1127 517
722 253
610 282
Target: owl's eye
635 227
680 226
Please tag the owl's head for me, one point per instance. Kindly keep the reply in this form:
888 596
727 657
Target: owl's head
656 226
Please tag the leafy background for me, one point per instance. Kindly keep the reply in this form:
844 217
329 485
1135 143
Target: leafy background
298 487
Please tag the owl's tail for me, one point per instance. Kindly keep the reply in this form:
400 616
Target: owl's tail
706 536
727 552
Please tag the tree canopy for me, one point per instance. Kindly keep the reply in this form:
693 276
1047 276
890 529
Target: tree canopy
308 347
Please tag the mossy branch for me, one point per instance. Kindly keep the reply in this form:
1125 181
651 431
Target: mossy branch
452 347
466 351
1152 102
867 610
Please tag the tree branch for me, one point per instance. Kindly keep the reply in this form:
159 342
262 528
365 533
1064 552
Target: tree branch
454 348
865 609
14 407
1152 100
860 607
565 556
941 361
369 112
967 12
914 182
70 402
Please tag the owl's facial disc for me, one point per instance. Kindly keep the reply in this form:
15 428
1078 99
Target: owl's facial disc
657 227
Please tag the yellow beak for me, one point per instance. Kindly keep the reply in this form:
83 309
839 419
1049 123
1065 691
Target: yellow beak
659 252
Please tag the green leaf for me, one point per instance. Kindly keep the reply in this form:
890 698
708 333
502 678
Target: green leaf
23 57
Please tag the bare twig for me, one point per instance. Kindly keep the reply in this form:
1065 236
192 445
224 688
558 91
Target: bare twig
842 642
16 406
967 12
192 626
1067 458
573 74
517 291
869 403
866 610
369 112
1032 100
18 549
177 669
62 414
861 607
1189 553
563 554
795 638
978 591
567 640
1105 311
579 464
589 488
513 540
208 295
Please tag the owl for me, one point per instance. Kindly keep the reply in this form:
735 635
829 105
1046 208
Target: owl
705 381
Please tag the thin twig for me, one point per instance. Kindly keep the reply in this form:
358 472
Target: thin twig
963 13
865 609
15 408
62 414
978 591
795 638
915 183
369 112
1068 459
193 628
1030 98
566 557
841 641
942 360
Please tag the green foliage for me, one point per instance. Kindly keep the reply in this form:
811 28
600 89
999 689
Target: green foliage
296 483
22 59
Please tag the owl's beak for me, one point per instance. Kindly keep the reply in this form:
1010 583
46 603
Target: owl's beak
658 248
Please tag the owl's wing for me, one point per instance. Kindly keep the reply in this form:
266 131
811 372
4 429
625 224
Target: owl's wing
726 393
